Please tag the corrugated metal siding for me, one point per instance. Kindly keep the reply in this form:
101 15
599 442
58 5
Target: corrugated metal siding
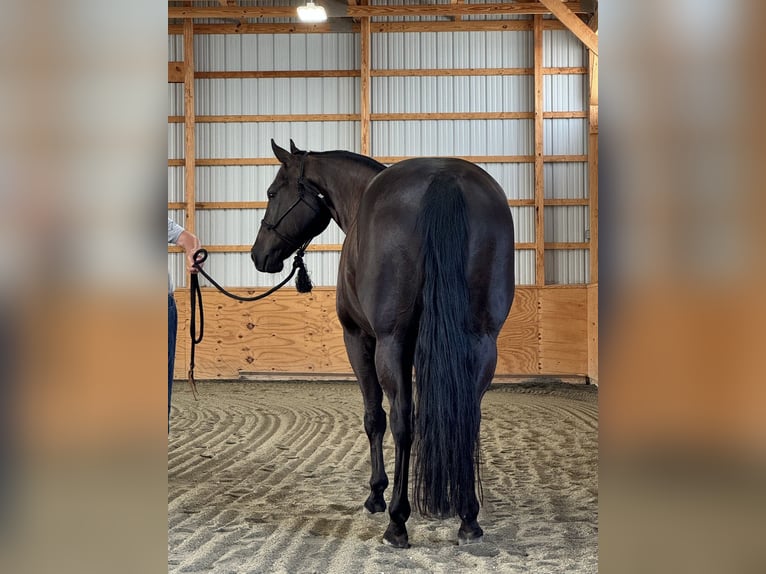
567 267
565 93
394 138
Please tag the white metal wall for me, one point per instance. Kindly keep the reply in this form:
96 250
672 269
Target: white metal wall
388 138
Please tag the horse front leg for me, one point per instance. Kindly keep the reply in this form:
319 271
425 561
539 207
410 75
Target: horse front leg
361 354
394 373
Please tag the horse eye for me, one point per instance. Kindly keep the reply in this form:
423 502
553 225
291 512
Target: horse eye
271 195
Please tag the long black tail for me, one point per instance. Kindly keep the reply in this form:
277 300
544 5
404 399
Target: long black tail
447 411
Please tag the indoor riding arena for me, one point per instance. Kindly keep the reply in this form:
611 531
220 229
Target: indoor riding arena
270 442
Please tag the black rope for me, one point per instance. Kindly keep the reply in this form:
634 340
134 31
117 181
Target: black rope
302 284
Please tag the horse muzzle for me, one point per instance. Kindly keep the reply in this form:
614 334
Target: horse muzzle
267 264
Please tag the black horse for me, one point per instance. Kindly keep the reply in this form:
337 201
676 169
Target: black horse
426 279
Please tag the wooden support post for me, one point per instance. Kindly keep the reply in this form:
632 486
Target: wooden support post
539 175
366 63
593 164
189 151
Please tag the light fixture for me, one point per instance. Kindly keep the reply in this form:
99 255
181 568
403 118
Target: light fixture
311 13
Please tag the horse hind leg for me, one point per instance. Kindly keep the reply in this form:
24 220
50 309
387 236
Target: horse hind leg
361 353
394 369
485 353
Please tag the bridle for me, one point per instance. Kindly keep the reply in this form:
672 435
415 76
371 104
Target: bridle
306 189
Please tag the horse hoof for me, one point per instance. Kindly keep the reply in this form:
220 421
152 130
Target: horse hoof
466 541
374 505
473 535
396 536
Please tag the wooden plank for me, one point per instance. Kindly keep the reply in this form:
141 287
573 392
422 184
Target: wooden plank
580 29
375 27
286 28
592 318
258 74
232 204
366 86
476 72
189 127
452 72
455 26
565 202
246 248
232 12
565 245
564 115
559 71
228 161
565 158
222 119
472 158
452 116
593 167
175 72
518 342
253 12
207 162
563 334
379 117
339 247
457 9
538 158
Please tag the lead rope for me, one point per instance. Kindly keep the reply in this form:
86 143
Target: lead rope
302 284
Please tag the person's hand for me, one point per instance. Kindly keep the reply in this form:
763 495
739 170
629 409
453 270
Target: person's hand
190 260
190 244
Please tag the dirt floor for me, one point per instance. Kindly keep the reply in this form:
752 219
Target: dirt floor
271 477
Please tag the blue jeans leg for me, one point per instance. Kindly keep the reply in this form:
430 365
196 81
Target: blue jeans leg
172 329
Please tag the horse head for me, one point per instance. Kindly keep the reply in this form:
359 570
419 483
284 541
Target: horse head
295 214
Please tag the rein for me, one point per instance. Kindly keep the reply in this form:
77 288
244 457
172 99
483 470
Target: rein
302 284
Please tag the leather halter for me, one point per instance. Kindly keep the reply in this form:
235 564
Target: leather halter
305 189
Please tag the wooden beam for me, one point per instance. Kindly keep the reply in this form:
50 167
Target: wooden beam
366 86
239 12
211 205
416 72
270 118
538 134
189 149
452 116
339 247
258 74
457 9
579 28
209 162
375 27
231 12
593 165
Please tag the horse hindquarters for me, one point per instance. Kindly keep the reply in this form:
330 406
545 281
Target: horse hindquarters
448 410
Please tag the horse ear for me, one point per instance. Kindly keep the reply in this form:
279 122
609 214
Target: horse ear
282 154
294 148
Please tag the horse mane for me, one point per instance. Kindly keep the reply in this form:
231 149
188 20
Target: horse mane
343 154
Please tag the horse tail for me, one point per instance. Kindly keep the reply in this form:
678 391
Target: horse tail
447 411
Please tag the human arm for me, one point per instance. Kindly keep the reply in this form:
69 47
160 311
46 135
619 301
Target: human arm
189 243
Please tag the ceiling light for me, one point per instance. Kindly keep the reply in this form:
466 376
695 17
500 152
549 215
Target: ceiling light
311 13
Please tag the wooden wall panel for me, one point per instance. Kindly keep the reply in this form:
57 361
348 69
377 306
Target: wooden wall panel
517 345
563 327
593 332
546 334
